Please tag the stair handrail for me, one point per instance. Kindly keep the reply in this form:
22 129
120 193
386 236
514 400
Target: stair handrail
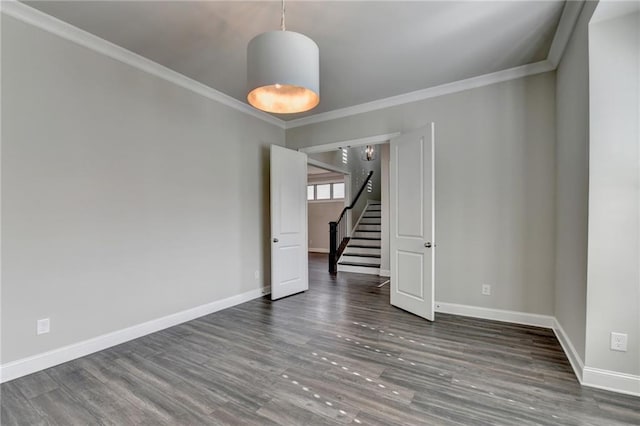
338 230
355 200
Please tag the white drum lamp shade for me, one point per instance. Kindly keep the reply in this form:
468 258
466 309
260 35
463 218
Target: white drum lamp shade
283 72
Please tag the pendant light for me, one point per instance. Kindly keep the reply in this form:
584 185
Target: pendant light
283 71
369 154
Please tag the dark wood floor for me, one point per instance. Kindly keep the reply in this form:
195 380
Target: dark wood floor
336 354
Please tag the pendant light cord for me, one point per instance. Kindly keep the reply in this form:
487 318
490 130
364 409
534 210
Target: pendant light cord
282 20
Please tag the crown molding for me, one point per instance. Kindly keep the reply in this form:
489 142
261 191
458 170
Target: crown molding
431 92
74 34
567 23
69 32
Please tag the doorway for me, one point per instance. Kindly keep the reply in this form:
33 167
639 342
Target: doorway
410 215
328 191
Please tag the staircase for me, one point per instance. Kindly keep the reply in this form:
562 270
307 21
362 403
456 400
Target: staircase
362 254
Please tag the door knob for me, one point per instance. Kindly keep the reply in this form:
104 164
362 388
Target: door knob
275 240
427 245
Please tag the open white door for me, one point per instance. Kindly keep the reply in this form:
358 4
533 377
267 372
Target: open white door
289 258
411 230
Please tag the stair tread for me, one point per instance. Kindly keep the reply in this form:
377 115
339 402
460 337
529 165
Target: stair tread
365 265
362 246
368 230
362 255
366 238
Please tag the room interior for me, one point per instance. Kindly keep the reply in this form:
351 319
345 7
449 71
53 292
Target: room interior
136 233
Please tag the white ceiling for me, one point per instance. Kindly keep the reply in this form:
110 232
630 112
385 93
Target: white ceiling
368 50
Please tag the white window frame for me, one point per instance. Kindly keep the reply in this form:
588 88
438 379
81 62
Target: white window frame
328 200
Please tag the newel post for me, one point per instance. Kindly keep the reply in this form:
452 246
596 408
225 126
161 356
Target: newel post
333 247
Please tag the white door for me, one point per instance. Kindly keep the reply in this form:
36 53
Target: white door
289 259
411 183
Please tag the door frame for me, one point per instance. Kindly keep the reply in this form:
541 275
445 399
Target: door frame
370 140
349 143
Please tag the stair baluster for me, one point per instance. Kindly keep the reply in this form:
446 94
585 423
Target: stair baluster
338 231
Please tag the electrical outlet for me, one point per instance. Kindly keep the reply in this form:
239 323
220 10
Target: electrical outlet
256 274
618 342
486 289
42 326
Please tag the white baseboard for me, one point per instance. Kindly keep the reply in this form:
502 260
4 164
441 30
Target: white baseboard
32 364
588 376
611 380
318 250
385 273
515 317
572 355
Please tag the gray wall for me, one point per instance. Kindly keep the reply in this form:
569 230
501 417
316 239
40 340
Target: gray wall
124 197
358 169
495 187
320 214
572 190
613 299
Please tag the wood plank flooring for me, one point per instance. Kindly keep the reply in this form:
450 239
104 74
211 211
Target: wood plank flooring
337 354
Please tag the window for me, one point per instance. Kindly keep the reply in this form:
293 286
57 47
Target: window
338 190
325 191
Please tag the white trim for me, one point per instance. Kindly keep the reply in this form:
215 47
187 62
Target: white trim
325 181
525 318
431 92
318 250
32 364
67 31
329 167
351 143
570 351
332 200
611 380
587 376
385 273
568 20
